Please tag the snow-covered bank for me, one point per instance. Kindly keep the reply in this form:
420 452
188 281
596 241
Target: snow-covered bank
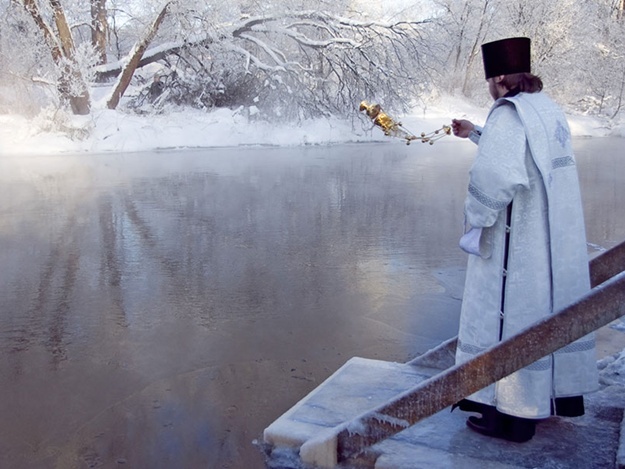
116 131
113 131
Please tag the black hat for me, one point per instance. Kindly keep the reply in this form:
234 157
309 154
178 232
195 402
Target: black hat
506 56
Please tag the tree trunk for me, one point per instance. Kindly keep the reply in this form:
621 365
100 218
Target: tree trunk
63 56
31 7
135 58
620 96
99 29
80 101
475 48
65 34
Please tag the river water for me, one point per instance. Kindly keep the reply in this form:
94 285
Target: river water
161 309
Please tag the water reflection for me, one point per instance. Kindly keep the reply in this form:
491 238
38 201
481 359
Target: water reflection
162 309
603 189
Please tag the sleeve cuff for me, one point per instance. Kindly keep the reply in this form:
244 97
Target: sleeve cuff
475 134
470 242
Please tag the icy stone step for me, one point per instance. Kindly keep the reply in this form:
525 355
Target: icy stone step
443 441
359 385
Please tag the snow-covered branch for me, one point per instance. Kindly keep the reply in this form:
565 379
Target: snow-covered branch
297 62
285 62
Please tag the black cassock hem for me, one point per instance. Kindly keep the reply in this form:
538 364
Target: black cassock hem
568 406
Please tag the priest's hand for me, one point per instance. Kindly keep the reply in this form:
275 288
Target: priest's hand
461 127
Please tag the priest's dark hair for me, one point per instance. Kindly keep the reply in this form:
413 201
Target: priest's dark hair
522 82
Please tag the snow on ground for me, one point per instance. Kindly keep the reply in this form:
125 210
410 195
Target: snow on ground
612 368
104 130
114 131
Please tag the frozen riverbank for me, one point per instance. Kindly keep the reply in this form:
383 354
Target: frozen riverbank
105 131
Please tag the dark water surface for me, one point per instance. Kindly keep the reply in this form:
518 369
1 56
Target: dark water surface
161 309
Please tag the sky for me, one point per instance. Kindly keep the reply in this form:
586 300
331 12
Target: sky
105 131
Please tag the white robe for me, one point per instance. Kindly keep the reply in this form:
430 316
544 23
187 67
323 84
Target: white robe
525 157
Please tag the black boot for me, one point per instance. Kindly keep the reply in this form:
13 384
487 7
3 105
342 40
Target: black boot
490 424
518 429
507 427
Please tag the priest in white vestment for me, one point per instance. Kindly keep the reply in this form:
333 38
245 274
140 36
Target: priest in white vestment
526 238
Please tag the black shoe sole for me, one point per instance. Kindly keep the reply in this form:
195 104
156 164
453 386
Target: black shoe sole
505 427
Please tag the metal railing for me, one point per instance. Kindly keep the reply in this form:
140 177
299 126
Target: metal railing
350 441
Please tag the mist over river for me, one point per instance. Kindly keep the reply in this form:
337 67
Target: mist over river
160 309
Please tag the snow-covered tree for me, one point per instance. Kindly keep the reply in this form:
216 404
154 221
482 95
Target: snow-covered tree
134 57
275 57
99 29
571 41
282 59
602 73
287 63
464 26
71 84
